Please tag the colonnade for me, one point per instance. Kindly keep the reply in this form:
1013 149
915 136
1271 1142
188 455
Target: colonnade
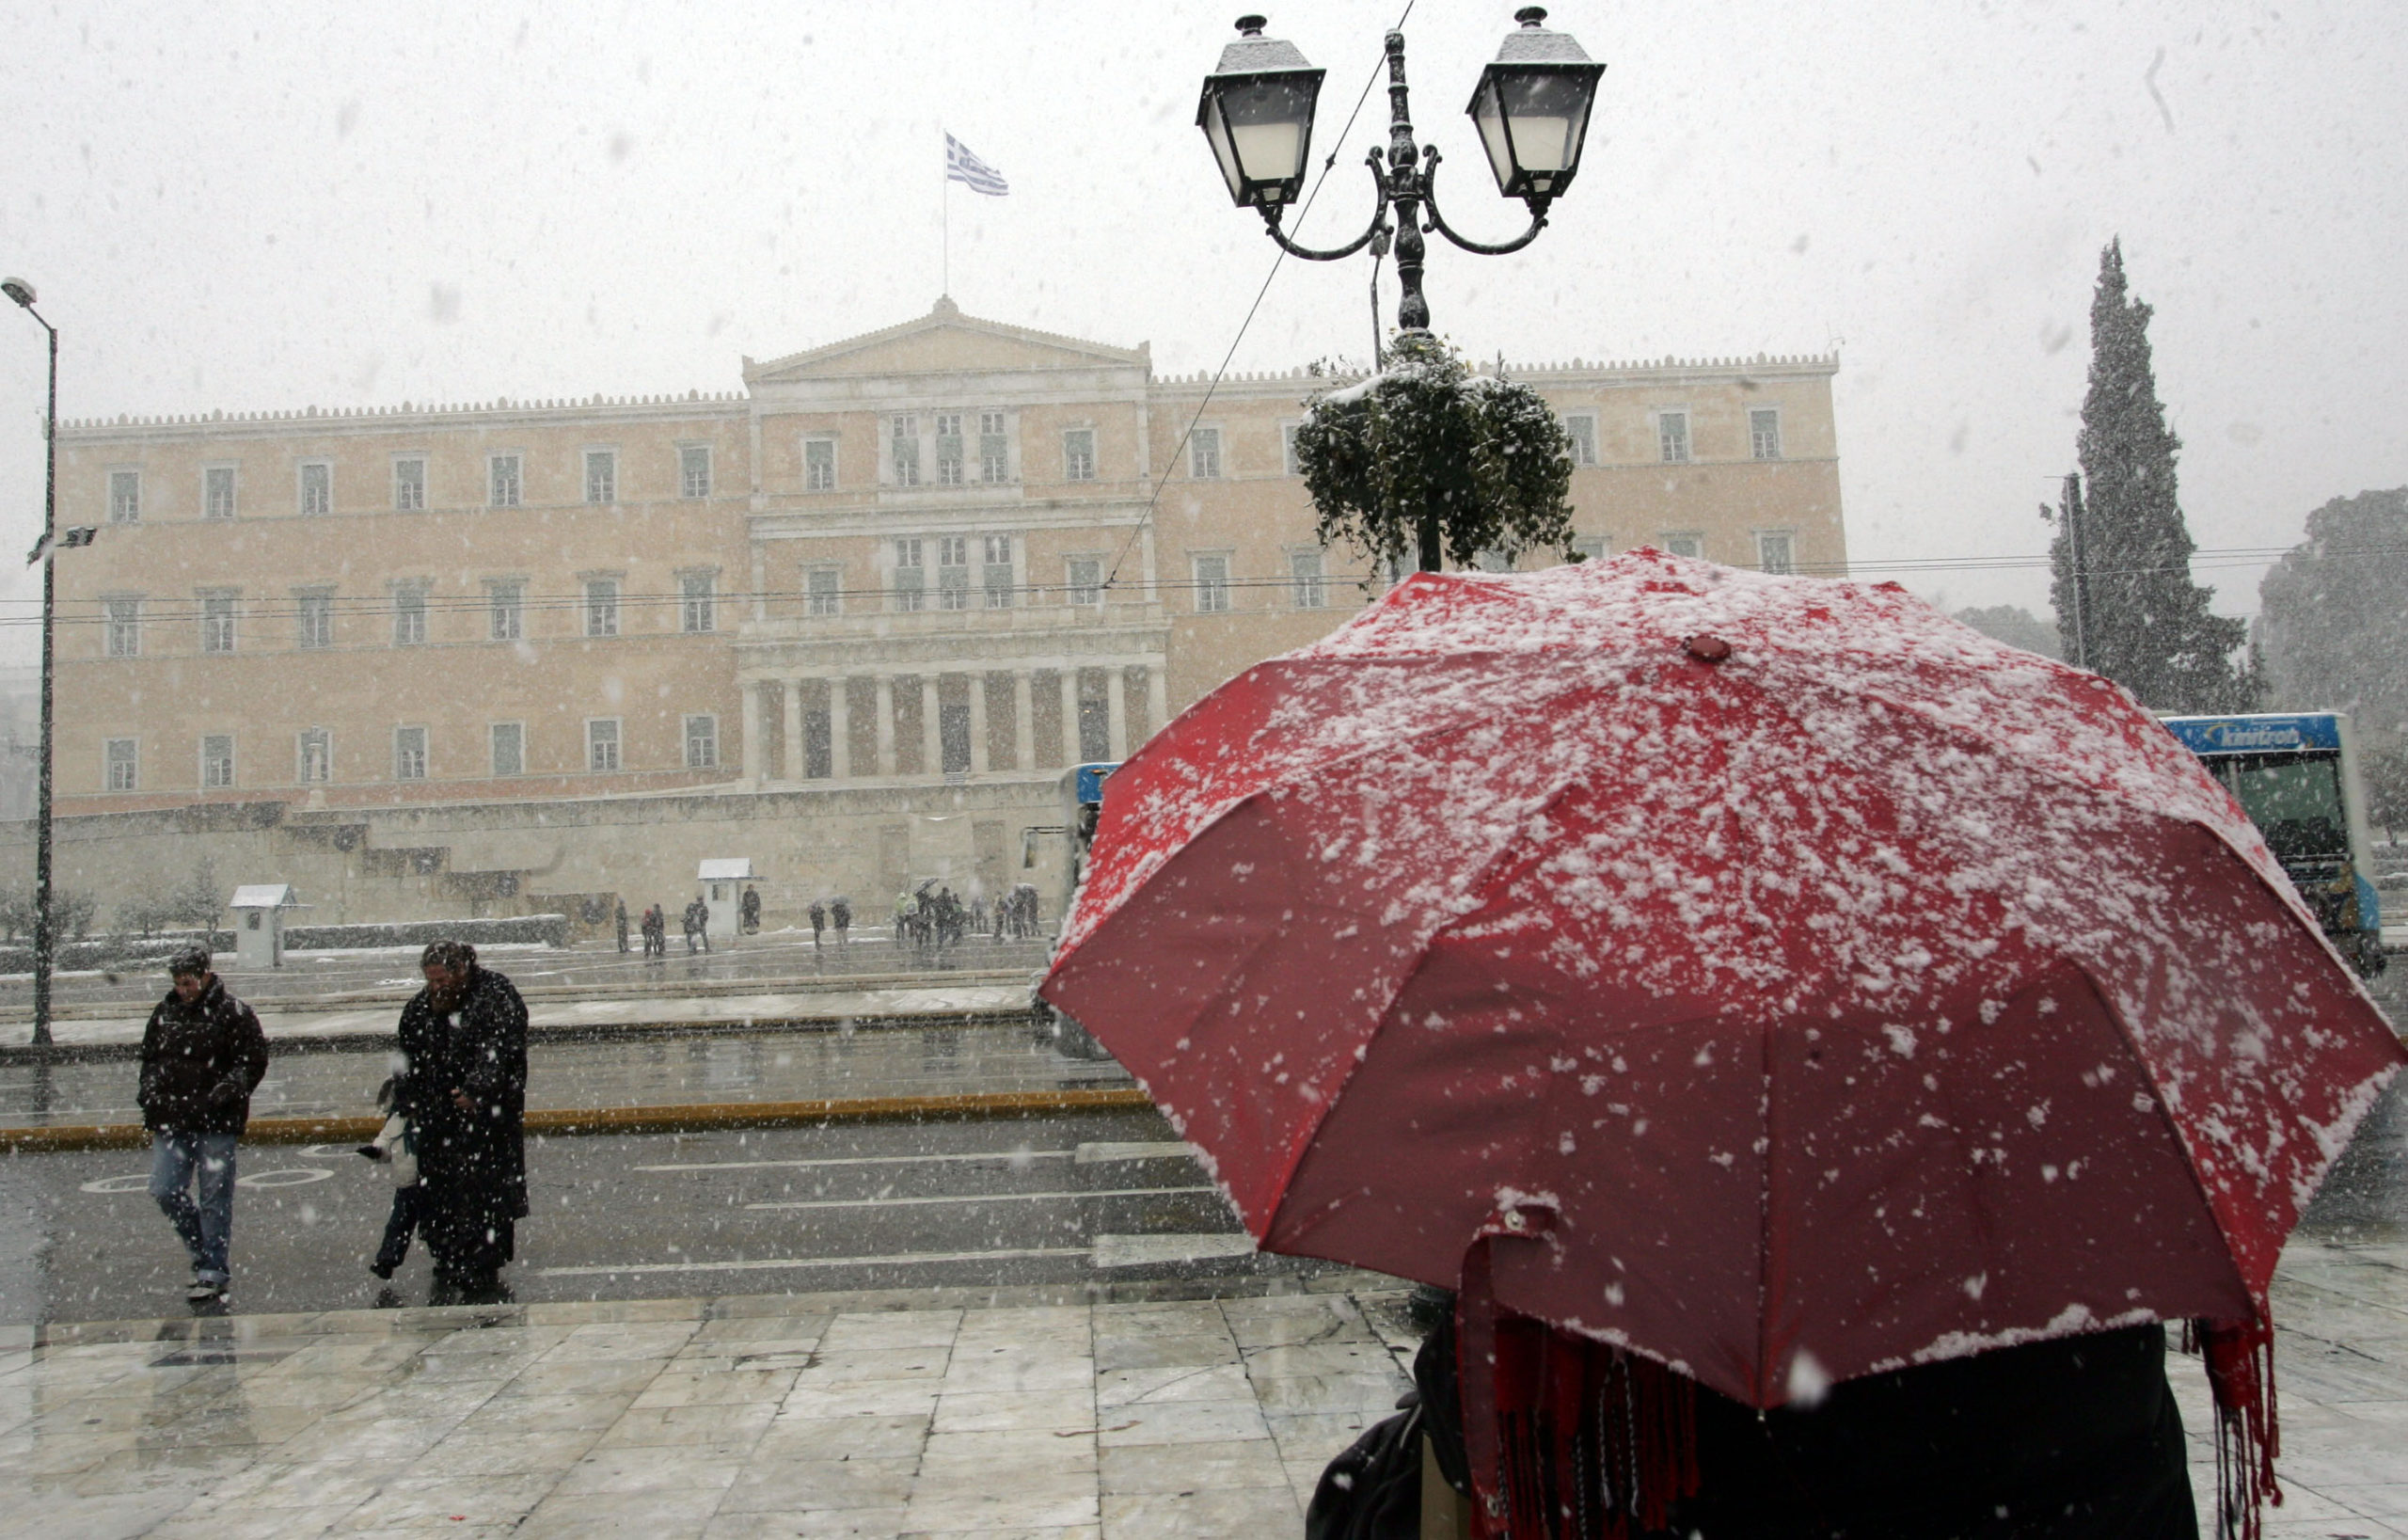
803 698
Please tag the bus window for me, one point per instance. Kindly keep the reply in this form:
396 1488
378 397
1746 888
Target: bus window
2295 800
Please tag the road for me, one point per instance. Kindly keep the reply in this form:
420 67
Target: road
1062 1200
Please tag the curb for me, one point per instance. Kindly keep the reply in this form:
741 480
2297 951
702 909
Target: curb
575 1121
360 1042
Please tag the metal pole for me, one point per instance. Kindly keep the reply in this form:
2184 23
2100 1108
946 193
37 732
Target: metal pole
2071 505
45 932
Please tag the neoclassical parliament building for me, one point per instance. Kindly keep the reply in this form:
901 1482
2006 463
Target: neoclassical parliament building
849 621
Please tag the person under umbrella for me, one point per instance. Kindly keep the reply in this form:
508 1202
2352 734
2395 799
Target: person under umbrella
1762 984
464 1049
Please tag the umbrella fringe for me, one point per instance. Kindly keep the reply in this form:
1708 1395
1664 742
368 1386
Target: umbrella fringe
2240 1357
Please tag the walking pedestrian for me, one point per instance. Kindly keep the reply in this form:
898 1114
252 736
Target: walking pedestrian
818 922
202 1056
698 923
619 913
464 1044
747 912
841 912
656 933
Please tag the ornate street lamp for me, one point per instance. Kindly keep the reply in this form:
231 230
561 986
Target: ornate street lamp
45 934
1532 107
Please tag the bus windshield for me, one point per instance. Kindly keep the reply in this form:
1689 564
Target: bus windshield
2293 798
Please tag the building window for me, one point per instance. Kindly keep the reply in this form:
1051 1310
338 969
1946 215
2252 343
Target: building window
314 756
819 465
125 496
903 449
506 485
409 754
601 606
702 742
699 611
1204 453
948 449
509 744
217 762
409 485
1077 455
911 575
601 475
1763 433
1211 585
994 449
124 627
1776 552
506 609
1304 574
953 572
217 622
218 492
823 590
1493 559
1590 547
409 616
1581 431
602 745
314 615
1673 437
694 470
1685 543
125 765
1289 464
999 571
317 488
1087 581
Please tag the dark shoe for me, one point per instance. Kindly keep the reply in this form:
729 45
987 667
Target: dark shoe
201 1290
381 1270
372 1152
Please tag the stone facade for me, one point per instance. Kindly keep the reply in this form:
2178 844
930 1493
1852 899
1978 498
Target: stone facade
851 622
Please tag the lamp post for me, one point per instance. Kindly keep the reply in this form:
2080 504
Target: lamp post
1531 108
45 938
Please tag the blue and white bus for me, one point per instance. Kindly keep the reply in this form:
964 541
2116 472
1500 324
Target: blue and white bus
2296 776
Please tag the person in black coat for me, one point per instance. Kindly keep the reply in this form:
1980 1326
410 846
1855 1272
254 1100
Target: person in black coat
464 1046
202 1056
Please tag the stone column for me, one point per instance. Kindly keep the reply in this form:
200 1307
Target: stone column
931 738
1068 675
794 766
1116 705
1024 722
1157 697
840 731
978 723
885 724
754 750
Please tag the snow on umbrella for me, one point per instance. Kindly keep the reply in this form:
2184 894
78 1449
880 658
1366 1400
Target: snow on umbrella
1785 981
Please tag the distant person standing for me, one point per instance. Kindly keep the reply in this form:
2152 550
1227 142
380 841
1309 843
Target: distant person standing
619 912
841 912
698 924
464 1048
818 922
747 912
656 933
202 1056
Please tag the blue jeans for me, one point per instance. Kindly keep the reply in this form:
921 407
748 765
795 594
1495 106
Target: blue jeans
205 1228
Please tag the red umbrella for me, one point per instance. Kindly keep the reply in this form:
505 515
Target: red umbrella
1799 983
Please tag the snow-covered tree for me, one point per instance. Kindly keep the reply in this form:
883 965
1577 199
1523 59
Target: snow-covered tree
1428 462
2335 611
2147 625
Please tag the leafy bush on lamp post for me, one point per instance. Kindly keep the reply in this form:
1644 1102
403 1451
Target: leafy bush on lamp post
1430 461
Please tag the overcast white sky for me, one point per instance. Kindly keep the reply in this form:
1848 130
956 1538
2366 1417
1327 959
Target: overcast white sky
279 205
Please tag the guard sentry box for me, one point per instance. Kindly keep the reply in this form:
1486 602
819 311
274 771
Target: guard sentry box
259 923
723 886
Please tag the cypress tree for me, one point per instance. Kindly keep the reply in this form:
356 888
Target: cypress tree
2145 624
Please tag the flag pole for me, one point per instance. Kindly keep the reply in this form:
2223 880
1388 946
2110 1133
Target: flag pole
944 204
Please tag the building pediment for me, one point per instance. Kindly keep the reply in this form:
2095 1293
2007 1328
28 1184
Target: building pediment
944 341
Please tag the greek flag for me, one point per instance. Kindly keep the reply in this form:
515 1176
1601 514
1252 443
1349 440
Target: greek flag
963 167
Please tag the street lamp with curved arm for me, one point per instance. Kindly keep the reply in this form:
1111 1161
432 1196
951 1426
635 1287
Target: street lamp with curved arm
1532 107
45 934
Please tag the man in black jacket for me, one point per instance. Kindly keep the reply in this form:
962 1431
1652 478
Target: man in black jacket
463 1042
202 1056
